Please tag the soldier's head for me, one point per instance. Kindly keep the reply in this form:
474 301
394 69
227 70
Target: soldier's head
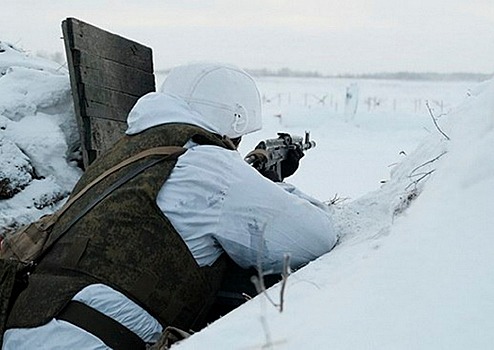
224 95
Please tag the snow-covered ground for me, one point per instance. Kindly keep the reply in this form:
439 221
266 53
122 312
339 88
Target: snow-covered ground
38 137
413 269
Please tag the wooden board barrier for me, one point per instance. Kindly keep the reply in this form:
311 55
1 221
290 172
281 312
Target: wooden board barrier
108 74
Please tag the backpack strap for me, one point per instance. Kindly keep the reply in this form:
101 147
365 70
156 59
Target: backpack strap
169 153
165 151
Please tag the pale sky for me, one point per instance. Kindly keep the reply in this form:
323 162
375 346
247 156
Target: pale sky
330 36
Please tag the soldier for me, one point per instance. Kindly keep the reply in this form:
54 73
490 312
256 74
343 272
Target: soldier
153 252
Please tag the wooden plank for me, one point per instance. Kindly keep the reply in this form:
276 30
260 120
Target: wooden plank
110 46
107 104
105 112
112 75
104 133
77 93
108 73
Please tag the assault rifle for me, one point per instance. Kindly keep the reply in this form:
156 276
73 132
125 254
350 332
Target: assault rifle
268 155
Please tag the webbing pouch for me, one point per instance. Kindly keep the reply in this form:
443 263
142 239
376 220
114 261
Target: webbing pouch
26 244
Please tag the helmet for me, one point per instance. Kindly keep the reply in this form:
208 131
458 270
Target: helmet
224 95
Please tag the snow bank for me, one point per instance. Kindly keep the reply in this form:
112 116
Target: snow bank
14 57
38 137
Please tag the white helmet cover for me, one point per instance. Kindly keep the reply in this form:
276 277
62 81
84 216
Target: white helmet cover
223 94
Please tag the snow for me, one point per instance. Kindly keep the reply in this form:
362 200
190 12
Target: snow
413 268
38 136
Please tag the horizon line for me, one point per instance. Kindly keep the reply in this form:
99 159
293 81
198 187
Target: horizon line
391 75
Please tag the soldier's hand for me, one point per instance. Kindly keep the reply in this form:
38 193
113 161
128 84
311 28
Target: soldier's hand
291 163
271 175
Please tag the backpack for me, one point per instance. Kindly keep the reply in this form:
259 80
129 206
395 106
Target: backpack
21 250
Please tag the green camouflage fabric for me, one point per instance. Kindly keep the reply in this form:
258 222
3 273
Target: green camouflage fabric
11 282
125 242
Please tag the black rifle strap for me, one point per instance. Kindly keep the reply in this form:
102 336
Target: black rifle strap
112 333
128 176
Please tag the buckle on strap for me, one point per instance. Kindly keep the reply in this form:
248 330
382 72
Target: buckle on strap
112 333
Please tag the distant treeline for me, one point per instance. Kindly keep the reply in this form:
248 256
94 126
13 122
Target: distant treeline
264 72
422 76
287 72
284 72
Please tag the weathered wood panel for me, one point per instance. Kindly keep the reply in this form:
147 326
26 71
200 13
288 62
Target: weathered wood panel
112 75
104 131
108 73
107 104
109 46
